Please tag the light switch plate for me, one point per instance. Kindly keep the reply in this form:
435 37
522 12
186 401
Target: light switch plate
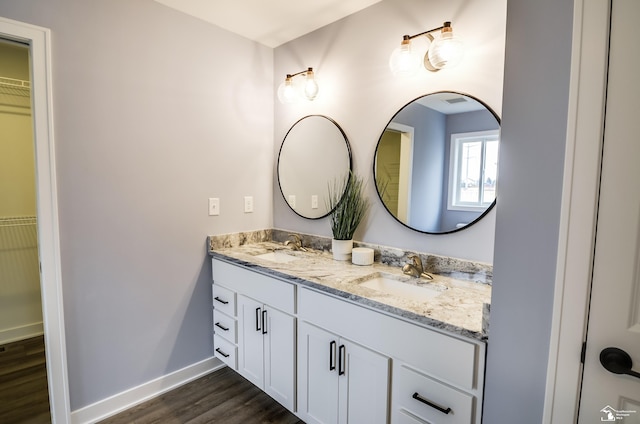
292 201
248 204
314 201
214 206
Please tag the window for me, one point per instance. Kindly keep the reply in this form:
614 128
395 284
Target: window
473 172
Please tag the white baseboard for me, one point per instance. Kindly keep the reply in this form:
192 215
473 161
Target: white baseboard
136 395
10 335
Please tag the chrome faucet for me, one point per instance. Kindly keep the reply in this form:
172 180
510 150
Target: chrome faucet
295 242
415 268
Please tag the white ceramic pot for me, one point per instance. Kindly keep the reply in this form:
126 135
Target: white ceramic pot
341 249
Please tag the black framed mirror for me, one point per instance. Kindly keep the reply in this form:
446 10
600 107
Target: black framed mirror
315 151
436 162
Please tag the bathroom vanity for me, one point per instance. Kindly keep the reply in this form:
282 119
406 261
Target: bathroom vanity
314 335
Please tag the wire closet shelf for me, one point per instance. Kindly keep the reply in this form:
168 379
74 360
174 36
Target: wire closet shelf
15 92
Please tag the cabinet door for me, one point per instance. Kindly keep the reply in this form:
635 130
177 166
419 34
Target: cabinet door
250 346
279 356
317 375
363 385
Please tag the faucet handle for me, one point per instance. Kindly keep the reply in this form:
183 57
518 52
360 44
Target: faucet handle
296 241
417 261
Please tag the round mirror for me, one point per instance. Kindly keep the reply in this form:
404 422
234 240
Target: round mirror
436 163
314 153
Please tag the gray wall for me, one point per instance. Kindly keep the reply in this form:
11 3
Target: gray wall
534 125
358 90
154 112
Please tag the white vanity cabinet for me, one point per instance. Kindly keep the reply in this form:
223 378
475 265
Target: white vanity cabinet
340 381
430 369
266 334
335 361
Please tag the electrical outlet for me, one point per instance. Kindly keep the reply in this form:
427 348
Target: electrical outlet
248 204
292 201
214 206
314 201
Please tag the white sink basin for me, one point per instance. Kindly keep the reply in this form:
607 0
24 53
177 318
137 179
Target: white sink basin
405 290
277 256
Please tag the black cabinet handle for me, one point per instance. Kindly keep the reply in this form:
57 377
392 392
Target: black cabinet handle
224 302
258 319
419 398
217 324
342 359
332 355
264 322
617 361
222 353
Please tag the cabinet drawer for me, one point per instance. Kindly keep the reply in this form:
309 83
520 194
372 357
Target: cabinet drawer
225 326
224 300
409 383
225 351
269 290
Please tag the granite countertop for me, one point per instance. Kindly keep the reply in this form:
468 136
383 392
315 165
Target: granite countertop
461 307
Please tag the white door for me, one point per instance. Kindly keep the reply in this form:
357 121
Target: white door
364 385
279 356
317 375
250 345
614 317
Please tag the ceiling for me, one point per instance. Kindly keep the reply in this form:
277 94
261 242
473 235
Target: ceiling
269 22
450 103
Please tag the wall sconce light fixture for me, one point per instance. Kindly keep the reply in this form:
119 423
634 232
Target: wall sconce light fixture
445 50
291 90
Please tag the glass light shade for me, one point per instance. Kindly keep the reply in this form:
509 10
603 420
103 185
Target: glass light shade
310 86
445 51
287 92
404 60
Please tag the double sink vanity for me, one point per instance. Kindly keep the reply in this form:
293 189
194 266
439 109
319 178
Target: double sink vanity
336 342
402 340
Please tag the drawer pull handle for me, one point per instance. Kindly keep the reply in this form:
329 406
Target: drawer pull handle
258 319
226 355
224 302
221 326
419 398
342 359
264 321
332 355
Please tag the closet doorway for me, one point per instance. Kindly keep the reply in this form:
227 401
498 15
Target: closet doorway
24 389
38 43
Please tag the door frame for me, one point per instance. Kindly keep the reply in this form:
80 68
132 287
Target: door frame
39 41
581 182
407 135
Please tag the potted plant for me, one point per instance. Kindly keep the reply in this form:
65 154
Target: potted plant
348 205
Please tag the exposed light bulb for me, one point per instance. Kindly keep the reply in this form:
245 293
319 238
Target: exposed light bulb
404 61
295 87
446 50
287 92
310 85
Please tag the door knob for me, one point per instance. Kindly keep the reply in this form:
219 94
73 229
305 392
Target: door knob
617 361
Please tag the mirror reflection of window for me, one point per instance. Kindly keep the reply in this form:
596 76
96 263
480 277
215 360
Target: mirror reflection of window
473 173
433 184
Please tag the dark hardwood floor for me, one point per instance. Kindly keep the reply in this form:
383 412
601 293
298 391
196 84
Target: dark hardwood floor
221 397
24 397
